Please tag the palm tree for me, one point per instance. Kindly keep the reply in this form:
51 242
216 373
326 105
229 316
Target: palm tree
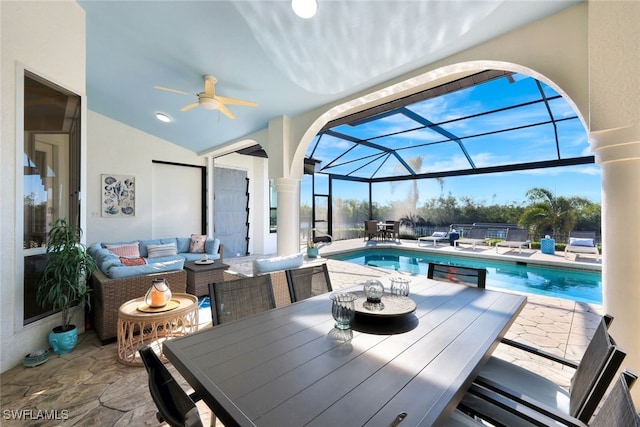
548 212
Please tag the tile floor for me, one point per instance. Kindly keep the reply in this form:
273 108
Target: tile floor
89 387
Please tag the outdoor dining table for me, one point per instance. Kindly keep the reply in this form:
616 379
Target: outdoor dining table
290 367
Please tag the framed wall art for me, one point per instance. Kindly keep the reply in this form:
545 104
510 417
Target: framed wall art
118 196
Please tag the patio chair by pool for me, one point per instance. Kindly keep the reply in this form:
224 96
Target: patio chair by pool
438 235
591 378
475 236
516 238
582 242
371 229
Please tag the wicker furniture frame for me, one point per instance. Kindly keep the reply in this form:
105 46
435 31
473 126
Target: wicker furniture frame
136 329
200 275
109 294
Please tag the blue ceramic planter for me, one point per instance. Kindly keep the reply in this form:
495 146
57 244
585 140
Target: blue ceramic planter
63 342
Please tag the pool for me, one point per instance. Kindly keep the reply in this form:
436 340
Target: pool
577 285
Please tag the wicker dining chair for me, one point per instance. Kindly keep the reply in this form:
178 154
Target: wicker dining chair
307 282
235 299
453 273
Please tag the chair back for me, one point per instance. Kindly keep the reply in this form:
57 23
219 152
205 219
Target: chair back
307 282
173 403
371 226
476 233
235 299
594 374
452 273
517 235
618 408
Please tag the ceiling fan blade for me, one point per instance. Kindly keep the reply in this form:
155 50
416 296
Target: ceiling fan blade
174 91
189 107
226 111
234 101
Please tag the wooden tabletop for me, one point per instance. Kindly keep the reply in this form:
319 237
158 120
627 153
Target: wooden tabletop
290 367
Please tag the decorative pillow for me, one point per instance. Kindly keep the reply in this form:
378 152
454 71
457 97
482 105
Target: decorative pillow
439 234
197 243
127 250
575 241
157 251
131 262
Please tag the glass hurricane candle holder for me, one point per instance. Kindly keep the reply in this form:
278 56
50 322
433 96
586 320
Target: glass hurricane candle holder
373 290
158 294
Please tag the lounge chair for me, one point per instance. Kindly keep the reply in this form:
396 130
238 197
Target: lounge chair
516 238
475 236
582 242
437 236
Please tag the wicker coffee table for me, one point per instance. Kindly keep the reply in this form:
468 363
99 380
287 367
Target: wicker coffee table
200 275
138 328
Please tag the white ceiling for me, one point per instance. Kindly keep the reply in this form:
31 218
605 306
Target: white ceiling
261 51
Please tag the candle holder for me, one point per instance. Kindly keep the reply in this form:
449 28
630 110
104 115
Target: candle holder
158 294
373 290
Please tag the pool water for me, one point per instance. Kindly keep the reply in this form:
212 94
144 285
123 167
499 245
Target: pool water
572 284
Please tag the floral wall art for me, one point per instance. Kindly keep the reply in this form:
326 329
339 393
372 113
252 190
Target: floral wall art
118 195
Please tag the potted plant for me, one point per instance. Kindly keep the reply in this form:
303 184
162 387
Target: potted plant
312 248
64 281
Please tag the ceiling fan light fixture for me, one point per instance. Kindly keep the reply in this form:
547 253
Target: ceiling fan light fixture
304 8
209 103
163 117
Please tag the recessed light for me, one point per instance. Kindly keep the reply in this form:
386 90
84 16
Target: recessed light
304 8
163 117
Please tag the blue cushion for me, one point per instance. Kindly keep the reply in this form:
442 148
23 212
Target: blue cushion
195 257
139 270
211 247
183 244
267 265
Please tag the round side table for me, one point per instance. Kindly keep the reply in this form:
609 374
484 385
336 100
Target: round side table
138 328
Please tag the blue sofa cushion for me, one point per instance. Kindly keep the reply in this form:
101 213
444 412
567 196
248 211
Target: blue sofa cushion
117 272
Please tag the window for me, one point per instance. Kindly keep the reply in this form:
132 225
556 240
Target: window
51 175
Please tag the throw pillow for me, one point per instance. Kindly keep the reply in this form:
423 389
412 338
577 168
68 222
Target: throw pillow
197 243
574 241
132 262
126 250
157 251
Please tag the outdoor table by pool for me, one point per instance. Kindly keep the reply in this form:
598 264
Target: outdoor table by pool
289 366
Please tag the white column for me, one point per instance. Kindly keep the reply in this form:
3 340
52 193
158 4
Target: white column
288 215
210 193
618 153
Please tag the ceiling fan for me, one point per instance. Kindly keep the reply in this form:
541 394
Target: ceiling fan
209 100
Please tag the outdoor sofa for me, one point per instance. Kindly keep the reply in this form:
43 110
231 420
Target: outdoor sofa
124 273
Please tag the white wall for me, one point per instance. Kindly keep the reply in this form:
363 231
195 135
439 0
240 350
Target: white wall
116 148
54 49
